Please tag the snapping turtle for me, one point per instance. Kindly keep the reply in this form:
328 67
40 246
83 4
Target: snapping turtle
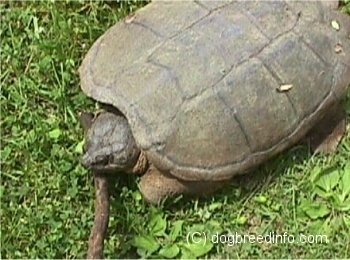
199 92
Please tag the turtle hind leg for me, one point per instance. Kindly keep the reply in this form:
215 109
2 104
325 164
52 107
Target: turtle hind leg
156 186
326 135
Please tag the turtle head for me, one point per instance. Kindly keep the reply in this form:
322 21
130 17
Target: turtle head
109 145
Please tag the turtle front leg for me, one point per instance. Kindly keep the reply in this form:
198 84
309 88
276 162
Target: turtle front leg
156 186
326 135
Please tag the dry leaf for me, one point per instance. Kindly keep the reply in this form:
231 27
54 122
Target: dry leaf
284 88
335 25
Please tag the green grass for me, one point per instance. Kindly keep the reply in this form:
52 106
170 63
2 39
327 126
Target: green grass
47 196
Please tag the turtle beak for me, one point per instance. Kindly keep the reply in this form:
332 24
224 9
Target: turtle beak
90 162
102 160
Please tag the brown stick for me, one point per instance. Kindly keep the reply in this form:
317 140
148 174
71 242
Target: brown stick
99 229
102 202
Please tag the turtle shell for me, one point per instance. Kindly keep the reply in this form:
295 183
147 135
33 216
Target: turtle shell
212 89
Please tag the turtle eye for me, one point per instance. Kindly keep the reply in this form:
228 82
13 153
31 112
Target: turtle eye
101 160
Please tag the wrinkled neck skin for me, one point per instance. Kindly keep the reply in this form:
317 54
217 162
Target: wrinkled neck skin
111 147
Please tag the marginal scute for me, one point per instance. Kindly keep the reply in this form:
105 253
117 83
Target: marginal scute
160 85
107 66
